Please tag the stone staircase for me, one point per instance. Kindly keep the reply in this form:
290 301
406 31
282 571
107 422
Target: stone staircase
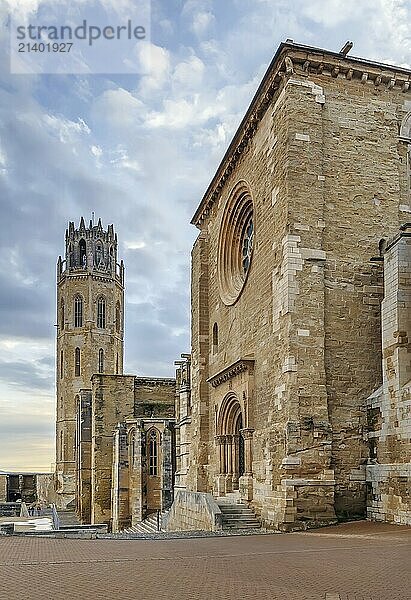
236 515
149 525
68 518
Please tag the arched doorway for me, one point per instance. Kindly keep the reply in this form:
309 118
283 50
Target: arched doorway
230 442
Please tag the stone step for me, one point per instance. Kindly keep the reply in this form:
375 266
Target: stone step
240 519
236 515
235 509
149 525
241 526
68 518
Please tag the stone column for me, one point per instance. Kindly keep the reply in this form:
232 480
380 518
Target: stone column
229 463
235 460
167 471
248 451
220 478
136 477
246 481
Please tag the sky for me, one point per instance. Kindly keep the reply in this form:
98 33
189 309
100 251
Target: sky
139 151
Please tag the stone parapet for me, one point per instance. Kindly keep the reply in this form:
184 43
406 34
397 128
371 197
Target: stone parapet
193 511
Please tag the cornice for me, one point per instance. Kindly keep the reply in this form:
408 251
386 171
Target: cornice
153 381
291 59
232 371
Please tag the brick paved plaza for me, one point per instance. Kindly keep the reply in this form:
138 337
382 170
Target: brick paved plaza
358 561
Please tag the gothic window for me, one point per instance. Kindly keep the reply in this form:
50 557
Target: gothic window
118 317
61 365
153 443
236 242
77 366
215 338
117 364
101 360
101 312
83 253
99 253
62 314
78 311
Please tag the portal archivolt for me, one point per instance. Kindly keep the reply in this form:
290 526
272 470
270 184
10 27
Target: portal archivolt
230 441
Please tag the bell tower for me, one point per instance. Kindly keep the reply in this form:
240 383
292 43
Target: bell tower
90 332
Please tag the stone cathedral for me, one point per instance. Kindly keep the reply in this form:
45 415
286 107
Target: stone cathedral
295 399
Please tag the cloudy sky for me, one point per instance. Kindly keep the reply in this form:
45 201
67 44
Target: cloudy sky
139 151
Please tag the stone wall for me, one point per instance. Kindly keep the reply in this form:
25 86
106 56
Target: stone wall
83 456
154 397
389 408
3 488
120 399
183 420
46 489
113 401
197 477
193 511
327 178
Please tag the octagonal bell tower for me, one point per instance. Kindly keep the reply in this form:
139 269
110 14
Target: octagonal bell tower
90 332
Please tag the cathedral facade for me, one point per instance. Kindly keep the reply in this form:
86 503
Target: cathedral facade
287 283
295 398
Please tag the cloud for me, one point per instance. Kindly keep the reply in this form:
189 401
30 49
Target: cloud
27 374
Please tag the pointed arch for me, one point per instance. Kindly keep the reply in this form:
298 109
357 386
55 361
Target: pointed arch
405 128
131 443
215 339
153 447
229 415
99 254
83 253
62 315
77 362
101 360
101 312
78 311
118 317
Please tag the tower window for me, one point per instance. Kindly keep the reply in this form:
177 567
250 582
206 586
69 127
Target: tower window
61 445
99 253
118 317
78 311
83 253
215 338
101 360
117 364
101 312
71 261
61 365
77 365
153 452
62 314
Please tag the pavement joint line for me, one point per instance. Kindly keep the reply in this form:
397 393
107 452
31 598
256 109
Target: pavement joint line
364 536
178 558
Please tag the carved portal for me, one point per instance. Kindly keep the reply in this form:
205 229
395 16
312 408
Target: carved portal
233 391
